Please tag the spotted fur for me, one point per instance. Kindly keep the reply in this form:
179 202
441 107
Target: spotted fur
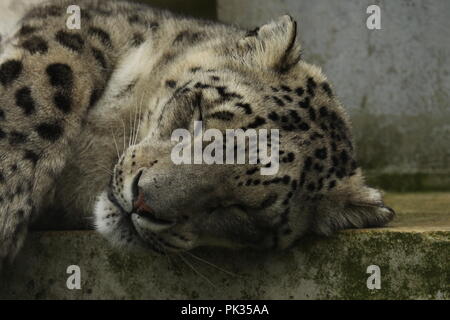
91 112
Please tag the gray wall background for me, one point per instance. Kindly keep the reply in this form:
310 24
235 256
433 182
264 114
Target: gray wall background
395 82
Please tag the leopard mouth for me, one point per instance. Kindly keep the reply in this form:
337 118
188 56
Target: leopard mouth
142 225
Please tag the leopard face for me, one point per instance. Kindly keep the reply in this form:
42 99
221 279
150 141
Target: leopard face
250 81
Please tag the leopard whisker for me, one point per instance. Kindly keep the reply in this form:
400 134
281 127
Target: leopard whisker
196 271
124 134
139 118
115 143
213 265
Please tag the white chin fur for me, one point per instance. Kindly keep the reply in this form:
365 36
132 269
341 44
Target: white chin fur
102 208
111 223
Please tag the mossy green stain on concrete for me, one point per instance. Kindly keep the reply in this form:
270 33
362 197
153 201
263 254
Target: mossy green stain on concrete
412 254
413 265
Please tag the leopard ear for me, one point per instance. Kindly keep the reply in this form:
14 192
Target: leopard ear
272 45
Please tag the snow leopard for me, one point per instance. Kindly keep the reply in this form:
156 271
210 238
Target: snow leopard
87 116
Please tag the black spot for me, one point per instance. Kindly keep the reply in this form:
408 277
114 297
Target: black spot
16 138
278 101
307 164
171 83
273 116
323 111
258 122
35 44
222 91
295 117
222 115
305 103
2 115
195 69
245 106
286 179
2 177
311 86
31 156
252 33
188 37
72 41
138 39
20 212
299 91
340 173
2 134
60 74
101 34
215 78
63 102
134 19
26 30
312 113
252 171
321 153
304 126
290 157
288 127
353 165
302 178
294 185
256 182
99 56
320 185
25 101
287 98
316 135
95 96
311 187
326 87
50 131
344 157
332 184
319 168
200 85
10 71
286 88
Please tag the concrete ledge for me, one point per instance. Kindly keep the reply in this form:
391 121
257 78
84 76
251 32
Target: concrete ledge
412 255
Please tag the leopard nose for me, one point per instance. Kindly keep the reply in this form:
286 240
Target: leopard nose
145 213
